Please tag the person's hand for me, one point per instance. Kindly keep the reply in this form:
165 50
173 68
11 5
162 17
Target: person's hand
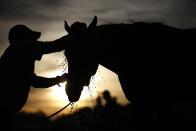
61 79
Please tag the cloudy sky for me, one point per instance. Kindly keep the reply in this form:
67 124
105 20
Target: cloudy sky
47 16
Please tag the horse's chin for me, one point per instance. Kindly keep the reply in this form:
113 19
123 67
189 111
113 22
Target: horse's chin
73 92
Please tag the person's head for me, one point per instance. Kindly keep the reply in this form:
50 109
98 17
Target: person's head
106 95
21 33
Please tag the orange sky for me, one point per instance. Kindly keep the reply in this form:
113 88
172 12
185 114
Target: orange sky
52 99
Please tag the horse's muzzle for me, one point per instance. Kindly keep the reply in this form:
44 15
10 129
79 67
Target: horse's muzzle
73 92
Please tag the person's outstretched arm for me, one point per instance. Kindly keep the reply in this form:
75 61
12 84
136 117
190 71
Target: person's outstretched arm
53 46
42 82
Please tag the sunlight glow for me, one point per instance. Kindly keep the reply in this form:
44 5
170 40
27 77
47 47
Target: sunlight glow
58 92
54 98
59 95
89 93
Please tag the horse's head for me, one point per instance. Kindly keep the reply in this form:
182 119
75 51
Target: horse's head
80 33
81 65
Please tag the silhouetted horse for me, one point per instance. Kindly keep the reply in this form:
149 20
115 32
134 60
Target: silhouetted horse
152 58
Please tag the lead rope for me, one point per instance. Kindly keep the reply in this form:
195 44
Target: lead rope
57 111
45 118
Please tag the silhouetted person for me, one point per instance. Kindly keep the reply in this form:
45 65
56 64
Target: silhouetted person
109 110
17 68
110 102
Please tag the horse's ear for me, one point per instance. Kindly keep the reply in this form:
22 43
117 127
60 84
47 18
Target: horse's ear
67 27
93 24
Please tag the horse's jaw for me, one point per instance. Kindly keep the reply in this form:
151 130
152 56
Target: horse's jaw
73 91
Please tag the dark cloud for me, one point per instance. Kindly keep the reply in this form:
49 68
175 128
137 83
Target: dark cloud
25 9
172 11
44 13
37 12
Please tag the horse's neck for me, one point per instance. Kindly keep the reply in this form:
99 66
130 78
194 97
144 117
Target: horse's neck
108 47
115 46
109 59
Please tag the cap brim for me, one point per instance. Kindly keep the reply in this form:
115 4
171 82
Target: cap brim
37 35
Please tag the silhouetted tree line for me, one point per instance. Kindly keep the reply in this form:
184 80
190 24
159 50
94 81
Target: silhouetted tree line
108 116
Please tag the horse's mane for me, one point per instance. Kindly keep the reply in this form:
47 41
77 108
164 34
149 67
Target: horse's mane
139 25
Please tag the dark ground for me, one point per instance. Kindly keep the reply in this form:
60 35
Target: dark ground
111 116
